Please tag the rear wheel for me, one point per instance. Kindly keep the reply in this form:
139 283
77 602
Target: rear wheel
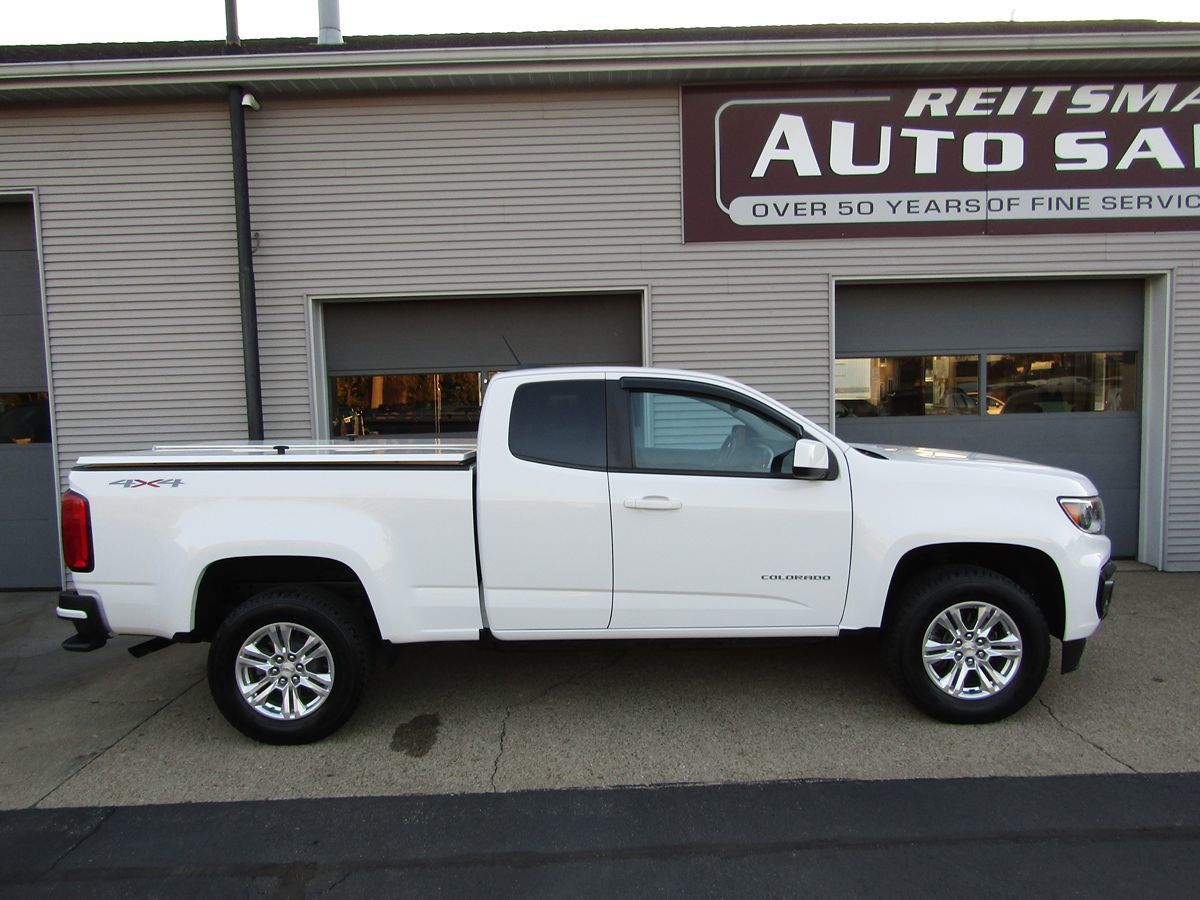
968 645
288 667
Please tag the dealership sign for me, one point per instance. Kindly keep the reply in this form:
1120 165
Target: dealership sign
945 158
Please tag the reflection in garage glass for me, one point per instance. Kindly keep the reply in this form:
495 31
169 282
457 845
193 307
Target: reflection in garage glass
907 386
1053 382
428 403
1063 382
25 418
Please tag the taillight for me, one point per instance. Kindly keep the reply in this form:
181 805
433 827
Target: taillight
77 532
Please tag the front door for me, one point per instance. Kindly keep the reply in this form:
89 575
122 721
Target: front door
710 529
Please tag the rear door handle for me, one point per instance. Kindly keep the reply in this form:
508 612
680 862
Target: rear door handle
653 503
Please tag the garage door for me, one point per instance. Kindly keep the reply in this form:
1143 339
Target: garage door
422 366
1048 371
28 515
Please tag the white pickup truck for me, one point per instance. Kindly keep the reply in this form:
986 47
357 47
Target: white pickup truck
597 503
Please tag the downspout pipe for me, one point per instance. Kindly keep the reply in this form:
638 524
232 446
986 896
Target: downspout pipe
233 43
241 203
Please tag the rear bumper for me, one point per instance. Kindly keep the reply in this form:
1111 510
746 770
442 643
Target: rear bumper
82 611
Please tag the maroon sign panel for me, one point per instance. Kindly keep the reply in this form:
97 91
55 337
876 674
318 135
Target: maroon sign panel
780 163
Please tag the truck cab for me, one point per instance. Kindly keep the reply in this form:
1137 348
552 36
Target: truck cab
636 502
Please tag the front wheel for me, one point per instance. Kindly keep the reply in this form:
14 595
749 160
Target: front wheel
968 645
288 667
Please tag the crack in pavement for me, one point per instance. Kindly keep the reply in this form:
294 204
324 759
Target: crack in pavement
37 803
509 710
105 814
297 882
331 887
499 755
1063 725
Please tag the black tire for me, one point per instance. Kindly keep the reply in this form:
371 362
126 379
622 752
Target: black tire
297 713
988 686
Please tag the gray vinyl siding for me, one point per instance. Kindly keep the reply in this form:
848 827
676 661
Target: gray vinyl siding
569 190
136 225
455 194
1183 483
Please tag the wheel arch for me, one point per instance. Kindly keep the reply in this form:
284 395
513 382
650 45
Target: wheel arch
227 582
1032 569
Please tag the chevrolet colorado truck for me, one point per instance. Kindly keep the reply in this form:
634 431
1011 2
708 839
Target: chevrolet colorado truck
596 503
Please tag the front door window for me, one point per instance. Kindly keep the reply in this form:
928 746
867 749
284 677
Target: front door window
699 434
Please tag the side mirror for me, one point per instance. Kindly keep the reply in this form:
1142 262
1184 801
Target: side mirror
811 462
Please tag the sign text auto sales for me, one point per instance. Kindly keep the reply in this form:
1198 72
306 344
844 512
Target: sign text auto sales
771 163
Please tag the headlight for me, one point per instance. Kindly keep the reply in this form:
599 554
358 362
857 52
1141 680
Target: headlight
1086 512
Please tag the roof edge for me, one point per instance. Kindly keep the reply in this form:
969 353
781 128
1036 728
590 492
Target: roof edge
661 57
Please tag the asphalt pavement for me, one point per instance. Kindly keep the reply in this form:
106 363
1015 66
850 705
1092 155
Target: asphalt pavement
1117 835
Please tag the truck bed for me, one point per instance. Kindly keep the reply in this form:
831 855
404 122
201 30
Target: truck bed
397 514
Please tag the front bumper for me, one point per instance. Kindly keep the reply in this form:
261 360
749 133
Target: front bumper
84 613
1072 651
1104 593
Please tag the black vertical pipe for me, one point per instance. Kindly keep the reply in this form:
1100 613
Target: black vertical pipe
241 203
233 43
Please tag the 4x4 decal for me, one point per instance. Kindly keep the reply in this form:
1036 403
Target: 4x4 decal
156 483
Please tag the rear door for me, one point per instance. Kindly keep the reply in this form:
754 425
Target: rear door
545 540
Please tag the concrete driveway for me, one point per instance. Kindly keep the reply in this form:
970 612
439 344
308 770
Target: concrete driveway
106 729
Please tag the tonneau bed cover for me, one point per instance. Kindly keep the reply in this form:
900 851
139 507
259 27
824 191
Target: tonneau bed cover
422 452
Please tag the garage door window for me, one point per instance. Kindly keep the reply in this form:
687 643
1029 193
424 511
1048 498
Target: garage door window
1062 382
432 403
1049 382
908 386
25 418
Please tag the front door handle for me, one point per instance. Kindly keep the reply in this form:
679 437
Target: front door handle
655 502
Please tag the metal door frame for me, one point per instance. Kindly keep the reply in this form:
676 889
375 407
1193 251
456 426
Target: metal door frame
30 196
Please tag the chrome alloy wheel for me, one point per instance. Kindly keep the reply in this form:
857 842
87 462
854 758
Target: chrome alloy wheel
284 671
972 651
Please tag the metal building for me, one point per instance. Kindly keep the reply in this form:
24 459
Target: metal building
968 236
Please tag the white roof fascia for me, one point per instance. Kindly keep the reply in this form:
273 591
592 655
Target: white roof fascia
711 56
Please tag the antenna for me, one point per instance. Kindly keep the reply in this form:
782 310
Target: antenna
511 350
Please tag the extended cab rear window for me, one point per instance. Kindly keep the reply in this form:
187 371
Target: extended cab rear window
559 422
